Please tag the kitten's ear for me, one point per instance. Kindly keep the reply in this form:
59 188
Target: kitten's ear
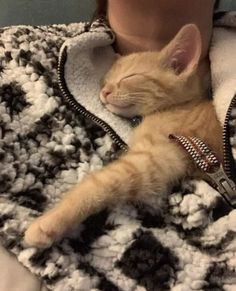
183 53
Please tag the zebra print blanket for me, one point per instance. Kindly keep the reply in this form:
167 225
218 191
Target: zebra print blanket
46 147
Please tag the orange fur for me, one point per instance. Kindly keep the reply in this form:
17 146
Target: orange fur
169 89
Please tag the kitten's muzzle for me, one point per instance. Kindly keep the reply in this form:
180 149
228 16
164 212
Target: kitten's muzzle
107 97
104 95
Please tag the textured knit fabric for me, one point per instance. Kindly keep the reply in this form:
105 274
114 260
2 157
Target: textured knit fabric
46 147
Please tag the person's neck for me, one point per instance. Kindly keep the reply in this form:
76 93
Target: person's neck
142 25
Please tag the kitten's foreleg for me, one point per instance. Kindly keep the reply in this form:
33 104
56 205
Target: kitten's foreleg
137 173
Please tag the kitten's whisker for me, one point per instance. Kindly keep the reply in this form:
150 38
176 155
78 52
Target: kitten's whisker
131 98
133 94
135 99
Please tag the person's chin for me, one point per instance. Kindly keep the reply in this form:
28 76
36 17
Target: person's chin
127 112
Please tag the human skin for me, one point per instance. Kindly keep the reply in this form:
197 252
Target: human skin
142 25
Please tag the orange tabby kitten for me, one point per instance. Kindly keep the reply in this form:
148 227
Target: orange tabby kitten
167 89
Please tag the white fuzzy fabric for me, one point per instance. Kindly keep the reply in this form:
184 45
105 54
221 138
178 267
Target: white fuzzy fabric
223 67
89 56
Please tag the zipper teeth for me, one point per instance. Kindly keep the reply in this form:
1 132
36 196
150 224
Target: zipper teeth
79 108
226 140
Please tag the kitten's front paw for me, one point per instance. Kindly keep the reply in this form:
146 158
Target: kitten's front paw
43 232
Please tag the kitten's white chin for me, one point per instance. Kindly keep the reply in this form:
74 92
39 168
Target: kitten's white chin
126 112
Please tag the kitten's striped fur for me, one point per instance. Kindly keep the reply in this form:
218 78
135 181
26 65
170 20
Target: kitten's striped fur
169 89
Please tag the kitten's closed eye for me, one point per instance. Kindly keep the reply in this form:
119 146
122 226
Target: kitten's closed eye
120 96
129 76
128 95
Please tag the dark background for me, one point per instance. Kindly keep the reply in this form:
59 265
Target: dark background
44 11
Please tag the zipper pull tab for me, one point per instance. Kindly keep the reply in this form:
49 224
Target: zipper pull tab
208 163
224 185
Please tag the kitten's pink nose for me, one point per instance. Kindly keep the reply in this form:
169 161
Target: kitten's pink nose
105 94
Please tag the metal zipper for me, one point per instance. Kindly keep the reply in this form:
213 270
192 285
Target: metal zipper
225 186
224 177
229 167
206 160
69 98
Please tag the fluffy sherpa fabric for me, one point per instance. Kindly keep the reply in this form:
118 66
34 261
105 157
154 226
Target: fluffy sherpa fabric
46 147
89 56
